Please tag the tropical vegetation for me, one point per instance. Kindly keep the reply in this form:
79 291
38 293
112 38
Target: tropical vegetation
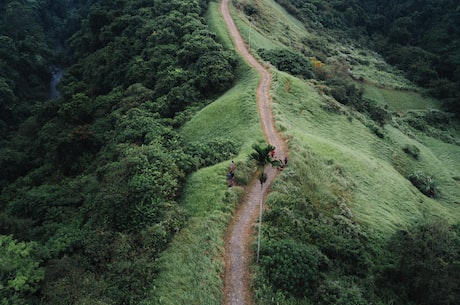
114 192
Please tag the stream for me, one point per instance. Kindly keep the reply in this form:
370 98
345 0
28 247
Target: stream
57 73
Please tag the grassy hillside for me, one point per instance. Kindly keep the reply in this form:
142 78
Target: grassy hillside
382 197
342 166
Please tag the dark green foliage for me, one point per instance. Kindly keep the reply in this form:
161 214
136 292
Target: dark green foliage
172 53
424 183
428 263
340 292
434 123
94 177
288 61
213 151
248 8
24 74
345 92
293 267
137 189
317 252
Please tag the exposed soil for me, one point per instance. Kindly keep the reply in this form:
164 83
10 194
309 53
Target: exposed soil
241 232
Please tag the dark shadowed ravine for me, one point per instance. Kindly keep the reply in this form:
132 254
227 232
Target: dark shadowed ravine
240 232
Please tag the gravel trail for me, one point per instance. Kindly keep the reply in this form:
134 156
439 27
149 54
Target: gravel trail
241 230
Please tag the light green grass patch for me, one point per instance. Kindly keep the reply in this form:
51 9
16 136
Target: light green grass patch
252 34
217 25
191 267
234 115
399 101
379 73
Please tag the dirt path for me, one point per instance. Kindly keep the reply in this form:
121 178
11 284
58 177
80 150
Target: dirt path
240 231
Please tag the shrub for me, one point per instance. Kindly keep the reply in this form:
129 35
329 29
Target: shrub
213 151
340 292
20 274
425 183
288 61
293 267
412 150
427 267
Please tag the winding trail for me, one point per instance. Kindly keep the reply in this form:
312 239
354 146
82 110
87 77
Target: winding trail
239 234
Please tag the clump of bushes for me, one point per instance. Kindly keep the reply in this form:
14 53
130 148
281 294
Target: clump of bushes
288 61
293 267
424 183
412 150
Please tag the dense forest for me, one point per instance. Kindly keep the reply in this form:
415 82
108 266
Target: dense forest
90 181
418 37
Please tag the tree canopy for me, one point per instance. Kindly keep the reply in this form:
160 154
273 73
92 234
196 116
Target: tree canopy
91 180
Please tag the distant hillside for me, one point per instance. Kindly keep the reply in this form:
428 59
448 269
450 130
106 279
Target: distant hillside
418 37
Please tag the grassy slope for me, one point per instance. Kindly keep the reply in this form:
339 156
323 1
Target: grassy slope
381 198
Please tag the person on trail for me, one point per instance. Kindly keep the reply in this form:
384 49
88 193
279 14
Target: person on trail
285 161
272 154
230 179
232 167
280 165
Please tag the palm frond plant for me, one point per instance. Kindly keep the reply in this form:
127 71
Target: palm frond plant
262 156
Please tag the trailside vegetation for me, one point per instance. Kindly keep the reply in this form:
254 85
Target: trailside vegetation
315 251
418 37
90 181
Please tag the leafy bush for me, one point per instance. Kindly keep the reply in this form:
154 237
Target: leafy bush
288 61
292 266
425 183
428 264
212 152
340 292
411 150
345 92
20 274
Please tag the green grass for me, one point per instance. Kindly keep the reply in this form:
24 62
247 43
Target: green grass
399 101
190 267
233 115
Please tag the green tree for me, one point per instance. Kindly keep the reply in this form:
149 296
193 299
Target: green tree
261 156
292 266
20 271
429 263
